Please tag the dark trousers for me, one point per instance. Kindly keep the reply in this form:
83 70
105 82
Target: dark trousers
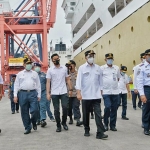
123 98
146 110
134 97
110 110
64 102
14 106
74 105
28 102
86 106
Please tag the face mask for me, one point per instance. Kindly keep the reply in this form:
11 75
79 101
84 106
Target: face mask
109 61
37 69
148 59
56 62
122 73
90 60
28 67
143 61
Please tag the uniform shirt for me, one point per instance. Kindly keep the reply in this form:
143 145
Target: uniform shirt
42 77
73 77
143 77
58 79
110 79
89 81
27 80
122 84
136 68
1 79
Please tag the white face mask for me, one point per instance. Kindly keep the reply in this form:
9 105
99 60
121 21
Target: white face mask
90 60
143 61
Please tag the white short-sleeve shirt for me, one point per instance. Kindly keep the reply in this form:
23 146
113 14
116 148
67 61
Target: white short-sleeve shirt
58 79
110 79
124 80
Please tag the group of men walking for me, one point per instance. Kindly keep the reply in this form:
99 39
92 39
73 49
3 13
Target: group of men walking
91 83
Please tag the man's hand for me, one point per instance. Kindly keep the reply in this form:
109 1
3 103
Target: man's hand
70 93
15 100
48 97
79 96
39 99
0 97
143 99
136 91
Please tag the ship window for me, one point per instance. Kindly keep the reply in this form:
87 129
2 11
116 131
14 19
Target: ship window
132 28
148 18
119 5
119 36
112 9
109 42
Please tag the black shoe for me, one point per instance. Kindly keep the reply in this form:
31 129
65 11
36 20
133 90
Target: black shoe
146 132
65 126
13 112
101 136
134 108
106 128
125 118
87 133
38 123
58 129
113 129
43 123
92 116
140 106
79 123
71 121
27 132
34 127
17 111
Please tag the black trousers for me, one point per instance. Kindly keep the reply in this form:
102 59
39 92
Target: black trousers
86 108
64 102
74 105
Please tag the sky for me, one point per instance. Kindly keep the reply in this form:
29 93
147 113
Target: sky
60 30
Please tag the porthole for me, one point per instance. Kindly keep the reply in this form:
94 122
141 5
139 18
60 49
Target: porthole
148 18
119 36
132 29
109 42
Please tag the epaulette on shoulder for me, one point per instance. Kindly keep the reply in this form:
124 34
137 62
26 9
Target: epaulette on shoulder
141 65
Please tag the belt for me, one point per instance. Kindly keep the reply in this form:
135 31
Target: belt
27 90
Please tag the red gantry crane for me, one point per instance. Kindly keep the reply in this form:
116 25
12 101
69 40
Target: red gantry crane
30 17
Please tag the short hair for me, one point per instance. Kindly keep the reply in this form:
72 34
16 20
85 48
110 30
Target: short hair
54 55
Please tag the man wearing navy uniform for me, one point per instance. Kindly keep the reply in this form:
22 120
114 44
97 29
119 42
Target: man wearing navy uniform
1 88
14 106
143 87
89 87
43 102
111 76
28 88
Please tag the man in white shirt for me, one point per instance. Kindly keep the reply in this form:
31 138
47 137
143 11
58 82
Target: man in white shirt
123 90
1 89
28 89
136 68
89 88
56 88
111 76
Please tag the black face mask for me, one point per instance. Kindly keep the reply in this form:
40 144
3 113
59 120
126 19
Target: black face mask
56 62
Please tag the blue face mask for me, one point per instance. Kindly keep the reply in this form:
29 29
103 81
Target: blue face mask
122 73
28 67
37 69
148 59
109 61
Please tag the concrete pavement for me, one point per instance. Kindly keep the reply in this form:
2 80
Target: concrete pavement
128 137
